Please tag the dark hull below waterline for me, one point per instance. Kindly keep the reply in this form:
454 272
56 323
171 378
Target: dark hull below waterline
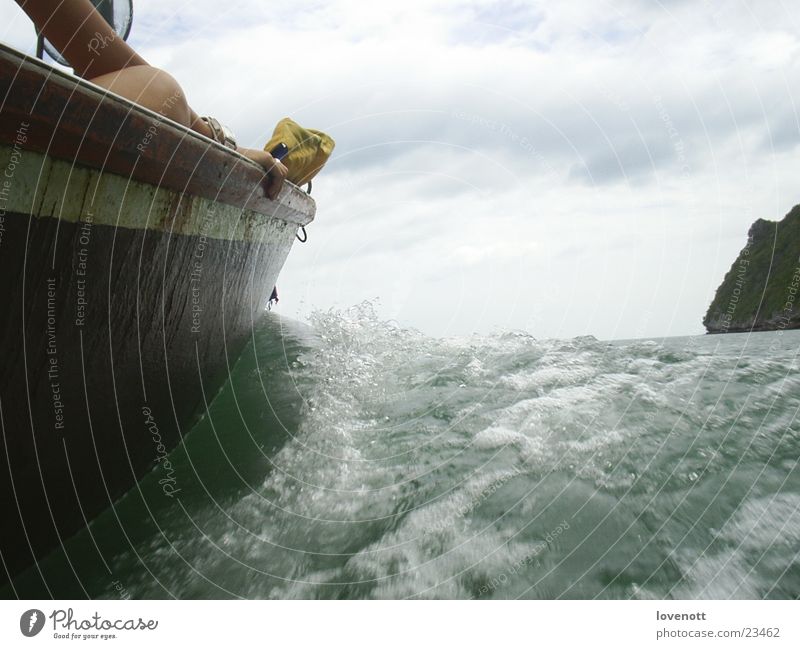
94 394
135 257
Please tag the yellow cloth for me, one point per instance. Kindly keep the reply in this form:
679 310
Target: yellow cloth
309 150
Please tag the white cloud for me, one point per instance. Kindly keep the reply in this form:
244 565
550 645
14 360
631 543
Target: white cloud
570 168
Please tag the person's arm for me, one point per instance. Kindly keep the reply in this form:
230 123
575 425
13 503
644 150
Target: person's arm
98 54
277 171
82 35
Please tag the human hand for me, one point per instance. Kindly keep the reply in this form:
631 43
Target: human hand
276 171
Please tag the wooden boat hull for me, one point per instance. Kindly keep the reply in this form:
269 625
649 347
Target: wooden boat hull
125 302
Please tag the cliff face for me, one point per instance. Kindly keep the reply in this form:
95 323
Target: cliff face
761 291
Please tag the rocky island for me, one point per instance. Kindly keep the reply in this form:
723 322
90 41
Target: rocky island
760 291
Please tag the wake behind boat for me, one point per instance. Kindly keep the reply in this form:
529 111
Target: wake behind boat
136 256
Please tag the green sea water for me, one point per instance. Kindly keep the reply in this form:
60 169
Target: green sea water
351 458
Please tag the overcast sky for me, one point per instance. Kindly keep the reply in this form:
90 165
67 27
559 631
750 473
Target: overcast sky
572 168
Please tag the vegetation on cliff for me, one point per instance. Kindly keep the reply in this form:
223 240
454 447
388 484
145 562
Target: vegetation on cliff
760 291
